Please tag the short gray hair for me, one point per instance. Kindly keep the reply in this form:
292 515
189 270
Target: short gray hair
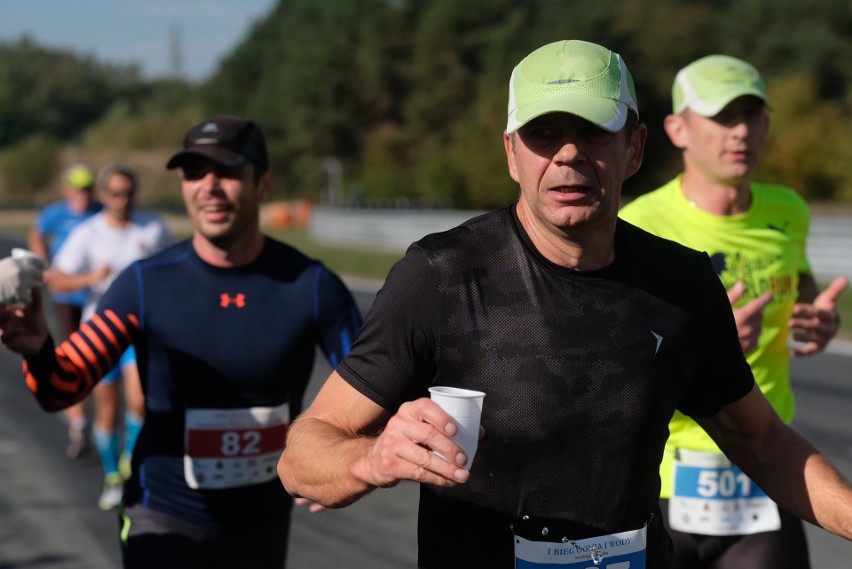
107 171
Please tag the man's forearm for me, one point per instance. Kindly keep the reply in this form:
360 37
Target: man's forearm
832 504
801 480
36 244
62 282
324 464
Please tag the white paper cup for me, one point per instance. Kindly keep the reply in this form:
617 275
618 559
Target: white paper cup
465 407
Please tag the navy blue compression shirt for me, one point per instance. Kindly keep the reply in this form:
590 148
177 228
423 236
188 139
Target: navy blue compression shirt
206 338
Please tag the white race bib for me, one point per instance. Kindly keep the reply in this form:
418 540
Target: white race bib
624 550
711 496
227 448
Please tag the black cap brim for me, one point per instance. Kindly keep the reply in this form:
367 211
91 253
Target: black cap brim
220 156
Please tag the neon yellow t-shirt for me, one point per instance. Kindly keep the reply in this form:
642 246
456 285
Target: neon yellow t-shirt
765 248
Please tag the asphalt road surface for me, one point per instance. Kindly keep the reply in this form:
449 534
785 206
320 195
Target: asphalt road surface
49 518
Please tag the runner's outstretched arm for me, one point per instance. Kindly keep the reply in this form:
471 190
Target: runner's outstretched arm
783 463
64 375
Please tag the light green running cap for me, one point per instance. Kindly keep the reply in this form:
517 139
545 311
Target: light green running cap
575 77
79 176
707 85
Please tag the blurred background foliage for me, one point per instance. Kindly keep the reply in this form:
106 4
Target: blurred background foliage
407 98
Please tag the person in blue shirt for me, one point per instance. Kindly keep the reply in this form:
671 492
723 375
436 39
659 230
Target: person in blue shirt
52 226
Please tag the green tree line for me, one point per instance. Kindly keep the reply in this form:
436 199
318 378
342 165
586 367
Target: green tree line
409 96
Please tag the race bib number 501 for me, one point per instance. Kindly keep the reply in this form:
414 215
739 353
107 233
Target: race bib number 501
227 448
711 496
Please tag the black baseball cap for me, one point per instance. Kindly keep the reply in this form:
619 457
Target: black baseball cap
230 141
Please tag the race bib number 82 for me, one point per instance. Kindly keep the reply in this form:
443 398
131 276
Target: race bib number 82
227 448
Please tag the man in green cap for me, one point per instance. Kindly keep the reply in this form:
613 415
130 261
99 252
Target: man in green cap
52 226
755 235
584 332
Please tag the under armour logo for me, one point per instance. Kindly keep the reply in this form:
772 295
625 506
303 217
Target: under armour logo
238 300
659 341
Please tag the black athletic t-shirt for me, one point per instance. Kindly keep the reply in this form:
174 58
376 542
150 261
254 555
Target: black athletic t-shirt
582 372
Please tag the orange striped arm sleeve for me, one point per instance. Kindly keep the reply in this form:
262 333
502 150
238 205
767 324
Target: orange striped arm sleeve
60 376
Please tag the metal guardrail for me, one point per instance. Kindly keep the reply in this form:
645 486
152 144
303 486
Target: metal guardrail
830 247
391 230
829 243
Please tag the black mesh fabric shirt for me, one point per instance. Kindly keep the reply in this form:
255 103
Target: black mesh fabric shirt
582 372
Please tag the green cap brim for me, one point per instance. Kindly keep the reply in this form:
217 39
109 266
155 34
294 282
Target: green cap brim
712 106
607 114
